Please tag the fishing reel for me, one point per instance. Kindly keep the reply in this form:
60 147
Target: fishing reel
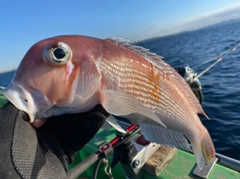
191 78
130 149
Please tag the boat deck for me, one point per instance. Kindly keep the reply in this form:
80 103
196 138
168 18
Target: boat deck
181 166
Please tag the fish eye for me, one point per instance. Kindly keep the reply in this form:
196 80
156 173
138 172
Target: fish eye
57 54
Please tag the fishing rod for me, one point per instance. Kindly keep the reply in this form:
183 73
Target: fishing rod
217 59
105 149
192 78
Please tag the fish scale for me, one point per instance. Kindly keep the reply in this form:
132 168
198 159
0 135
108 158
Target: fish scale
140 81
138 85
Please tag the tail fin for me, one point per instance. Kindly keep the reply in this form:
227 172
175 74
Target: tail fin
204 150
207 146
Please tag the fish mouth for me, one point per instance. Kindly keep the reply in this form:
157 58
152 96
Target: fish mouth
21 99
27 101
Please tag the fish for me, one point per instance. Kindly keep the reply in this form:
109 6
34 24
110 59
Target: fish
73 73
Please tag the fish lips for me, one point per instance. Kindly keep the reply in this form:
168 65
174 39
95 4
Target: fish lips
27 101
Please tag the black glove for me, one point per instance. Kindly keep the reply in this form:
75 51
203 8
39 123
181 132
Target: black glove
26 152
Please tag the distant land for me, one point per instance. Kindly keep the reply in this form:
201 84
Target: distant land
226 15
225 22
8 71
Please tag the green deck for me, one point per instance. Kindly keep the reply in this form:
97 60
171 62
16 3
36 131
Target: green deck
2 99
180 167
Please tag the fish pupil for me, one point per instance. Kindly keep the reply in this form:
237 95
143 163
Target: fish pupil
59 53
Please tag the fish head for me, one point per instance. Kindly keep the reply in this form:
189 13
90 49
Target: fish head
55 76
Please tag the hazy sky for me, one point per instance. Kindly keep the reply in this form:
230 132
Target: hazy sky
23 23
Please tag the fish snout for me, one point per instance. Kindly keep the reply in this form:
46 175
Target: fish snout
21 99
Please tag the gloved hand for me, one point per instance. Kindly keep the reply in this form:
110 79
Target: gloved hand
45 152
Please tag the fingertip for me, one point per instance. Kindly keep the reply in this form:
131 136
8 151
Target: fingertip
38 123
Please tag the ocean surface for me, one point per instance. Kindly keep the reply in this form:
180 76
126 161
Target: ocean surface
221 85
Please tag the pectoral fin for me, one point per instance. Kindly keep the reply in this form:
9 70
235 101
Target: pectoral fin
111 121
120 103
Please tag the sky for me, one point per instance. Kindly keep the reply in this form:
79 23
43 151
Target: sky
25 22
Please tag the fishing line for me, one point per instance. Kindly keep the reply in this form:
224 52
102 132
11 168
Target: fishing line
192 78
217 59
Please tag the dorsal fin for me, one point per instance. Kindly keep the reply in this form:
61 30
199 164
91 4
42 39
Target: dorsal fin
140 50
165 67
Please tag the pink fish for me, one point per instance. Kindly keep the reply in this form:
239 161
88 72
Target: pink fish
71 74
